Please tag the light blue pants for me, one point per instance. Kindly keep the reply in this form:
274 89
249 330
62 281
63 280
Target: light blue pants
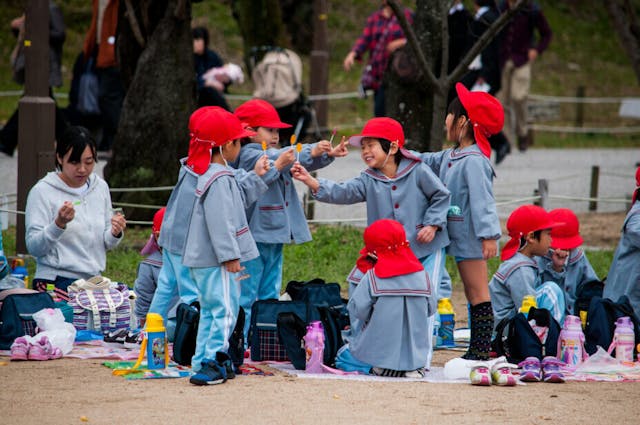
265 279
445 288
173 279
219 296
347 362
550 296
434 265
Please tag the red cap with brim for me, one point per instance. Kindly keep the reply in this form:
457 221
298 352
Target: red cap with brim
380 128
259 113
566 236
522 221
485 113
386 242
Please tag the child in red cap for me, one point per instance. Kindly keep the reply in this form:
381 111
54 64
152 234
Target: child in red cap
277 218
624 275
565 263
473 224
394 338
529 227
395 185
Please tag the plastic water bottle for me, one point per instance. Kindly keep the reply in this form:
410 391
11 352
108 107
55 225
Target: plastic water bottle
447 322
528 301
314 347
437 340
624 339
571 341
156 336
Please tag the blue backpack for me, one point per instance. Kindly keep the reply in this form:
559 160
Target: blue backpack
16 316
601 322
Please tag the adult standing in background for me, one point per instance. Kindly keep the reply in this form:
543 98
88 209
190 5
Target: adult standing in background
518 50
382 35
205 59
100 43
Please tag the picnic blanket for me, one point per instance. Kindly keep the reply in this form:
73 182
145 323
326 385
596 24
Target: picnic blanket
173 370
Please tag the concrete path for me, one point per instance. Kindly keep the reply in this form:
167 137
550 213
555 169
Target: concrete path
568 172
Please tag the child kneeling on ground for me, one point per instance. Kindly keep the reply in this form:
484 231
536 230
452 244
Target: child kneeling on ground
393 339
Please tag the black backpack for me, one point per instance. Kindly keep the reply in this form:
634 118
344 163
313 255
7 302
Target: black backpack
517 340
601 322
16 315
585 292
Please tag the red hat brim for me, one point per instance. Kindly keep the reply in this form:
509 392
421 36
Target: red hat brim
566 243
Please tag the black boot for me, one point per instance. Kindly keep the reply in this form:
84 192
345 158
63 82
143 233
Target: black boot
481 331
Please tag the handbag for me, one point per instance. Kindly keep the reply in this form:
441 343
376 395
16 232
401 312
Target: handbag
101 305
88 91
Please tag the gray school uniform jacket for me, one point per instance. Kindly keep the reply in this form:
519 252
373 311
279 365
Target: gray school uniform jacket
277 216
468 174
392 312
415 197
179 209
624 275
218 229
576 271
515 278
146 284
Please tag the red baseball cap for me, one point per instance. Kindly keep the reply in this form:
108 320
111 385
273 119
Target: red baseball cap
566 236
386 243
380 128
157 219
259 113
485 113
635 192
523 220
209 127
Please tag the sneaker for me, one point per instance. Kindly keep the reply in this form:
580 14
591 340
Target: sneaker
116 337
414 374
530 369
214 371
551 370
43 350
133 339
501 374
480 375
20 349
389 373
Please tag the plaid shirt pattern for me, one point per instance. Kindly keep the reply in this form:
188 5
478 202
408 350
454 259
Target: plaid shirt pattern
377 33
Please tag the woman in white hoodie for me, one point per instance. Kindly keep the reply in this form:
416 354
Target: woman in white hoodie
69 219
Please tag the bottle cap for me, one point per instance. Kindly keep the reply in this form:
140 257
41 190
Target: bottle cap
154 323
528 301
445 306
51 287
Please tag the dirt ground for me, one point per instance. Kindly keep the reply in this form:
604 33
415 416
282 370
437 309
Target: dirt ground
70 391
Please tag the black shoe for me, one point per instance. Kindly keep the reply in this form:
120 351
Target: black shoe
523 143
214 371
501 153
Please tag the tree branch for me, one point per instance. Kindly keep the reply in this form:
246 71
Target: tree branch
483 42
135 28
413 43
444 65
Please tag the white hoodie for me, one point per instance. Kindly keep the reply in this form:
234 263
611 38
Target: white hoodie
79 251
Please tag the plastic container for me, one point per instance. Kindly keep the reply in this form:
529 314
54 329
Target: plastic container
624 339
51 290
314 347
156 335
437 340
447 322
528 301
571 341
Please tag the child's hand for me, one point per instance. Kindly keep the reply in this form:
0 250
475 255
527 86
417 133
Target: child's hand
262 165
489 248
426 234
323 146
66 213
340 150
301 174
559 259
287 157
233 266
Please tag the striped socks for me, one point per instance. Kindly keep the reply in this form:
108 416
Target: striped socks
481 331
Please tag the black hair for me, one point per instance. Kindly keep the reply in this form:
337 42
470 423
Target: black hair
386 147
523 239
458 110
201 33
75 138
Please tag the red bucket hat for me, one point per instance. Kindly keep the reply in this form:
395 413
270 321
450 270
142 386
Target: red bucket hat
485 113
380 128
386 243
209 127
635 192
259 113
566 236
525 219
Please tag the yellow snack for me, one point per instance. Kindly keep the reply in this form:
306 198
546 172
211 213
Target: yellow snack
264 145
298 147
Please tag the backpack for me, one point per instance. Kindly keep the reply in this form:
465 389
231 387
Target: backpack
277 78
16 315
601 320
585 292
516 339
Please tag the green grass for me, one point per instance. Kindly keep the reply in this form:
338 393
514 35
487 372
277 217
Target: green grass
331 256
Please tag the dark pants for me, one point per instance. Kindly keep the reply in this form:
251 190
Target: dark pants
110 97
208 96
378 103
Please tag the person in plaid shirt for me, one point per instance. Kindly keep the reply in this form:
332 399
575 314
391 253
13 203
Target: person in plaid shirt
382 35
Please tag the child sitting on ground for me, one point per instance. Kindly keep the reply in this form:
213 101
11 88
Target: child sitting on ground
529 227
624 275
147 279
565 263
393 339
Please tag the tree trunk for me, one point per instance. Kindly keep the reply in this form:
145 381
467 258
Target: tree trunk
624 20
152 133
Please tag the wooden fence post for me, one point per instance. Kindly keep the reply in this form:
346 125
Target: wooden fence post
580 106
595 177
543 192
